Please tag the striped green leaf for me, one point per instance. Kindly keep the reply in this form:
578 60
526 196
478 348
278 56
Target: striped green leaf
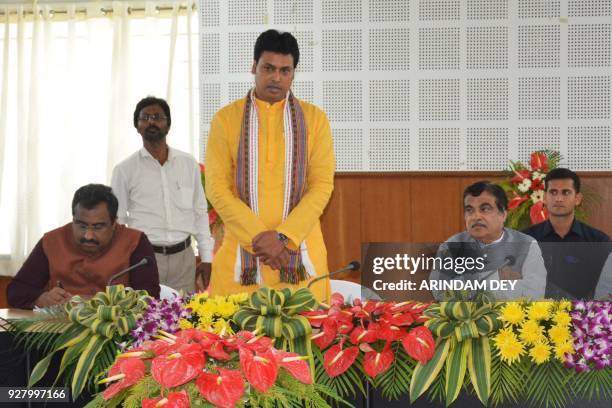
456 363
479 367
424 374
86 361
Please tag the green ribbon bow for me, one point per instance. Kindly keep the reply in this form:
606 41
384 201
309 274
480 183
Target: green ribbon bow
109 313
275 313
95 324
462 330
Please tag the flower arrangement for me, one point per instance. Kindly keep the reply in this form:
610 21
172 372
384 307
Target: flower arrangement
592 336
537 329
212 314
196 368
371 328
525 188
201 311
376 341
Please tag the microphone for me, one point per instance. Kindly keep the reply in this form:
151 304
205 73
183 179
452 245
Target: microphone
353 266
142 262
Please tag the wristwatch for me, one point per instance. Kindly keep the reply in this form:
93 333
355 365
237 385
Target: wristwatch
283 239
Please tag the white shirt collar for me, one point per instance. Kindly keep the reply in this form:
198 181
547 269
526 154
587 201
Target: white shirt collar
145 153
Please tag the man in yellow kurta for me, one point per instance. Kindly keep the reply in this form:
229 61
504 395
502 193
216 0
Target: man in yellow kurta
269 174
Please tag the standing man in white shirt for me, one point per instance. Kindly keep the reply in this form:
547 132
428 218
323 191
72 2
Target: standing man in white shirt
160 192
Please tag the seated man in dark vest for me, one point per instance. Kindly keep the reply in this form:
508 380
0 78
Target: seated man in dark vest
80 257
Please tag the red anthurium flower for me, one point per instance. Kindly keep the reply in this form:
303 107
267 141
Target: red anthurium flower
538 213
315 317
344 323
539 161
125 372
191 336
337 300
537 184
201 167
296 364
327 334
249 340
223 389
361 335
179 366
375 363
336 360
402 319
520 175
419 344
173 400
389 332
260 370
517 201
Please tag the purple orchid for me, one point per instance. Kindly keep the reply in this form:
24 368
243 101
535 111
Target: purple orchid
160 315
592 336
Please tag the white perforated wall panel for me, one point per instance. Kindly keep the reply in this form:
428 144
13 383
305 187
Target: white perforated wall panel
436 85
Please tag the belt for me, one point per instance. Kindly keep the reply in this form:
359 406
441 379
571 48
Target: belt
172 249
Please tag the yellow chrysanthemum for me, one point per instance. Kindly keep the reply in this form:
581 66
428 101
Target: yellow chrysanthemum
238 298
510 349
222 327
562 318
185 324
227 309
539 310
562 348
531 332
512 313
540 353
565 305
559 334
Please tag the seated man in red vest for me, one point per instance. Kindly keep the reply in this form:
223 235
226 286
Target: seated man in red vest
80 257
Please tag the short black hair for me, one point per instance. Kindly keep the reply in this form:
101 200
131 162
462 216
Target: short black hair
561 173
476 189
148 101
91 195
278 42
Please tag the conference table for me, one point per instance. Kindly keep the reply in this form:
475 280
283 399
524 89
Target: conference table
16 363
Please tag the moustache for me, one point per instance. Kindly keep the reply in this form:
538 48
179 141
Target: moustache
152 127
478 224
89 241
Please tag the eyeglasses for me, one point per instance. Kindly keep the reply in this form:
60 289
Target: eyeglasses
145 117
94 228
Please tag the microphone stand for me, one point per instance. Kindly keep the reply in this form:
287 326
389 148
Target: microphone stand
142 262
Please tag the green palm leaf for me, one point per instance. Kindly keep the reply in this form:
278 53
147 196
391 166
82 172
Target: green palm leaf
507 381
546 385
595 384
395 382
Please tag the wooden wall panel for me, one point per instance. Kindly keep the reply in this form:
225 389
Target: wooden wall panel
435 205
341 223
386 209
